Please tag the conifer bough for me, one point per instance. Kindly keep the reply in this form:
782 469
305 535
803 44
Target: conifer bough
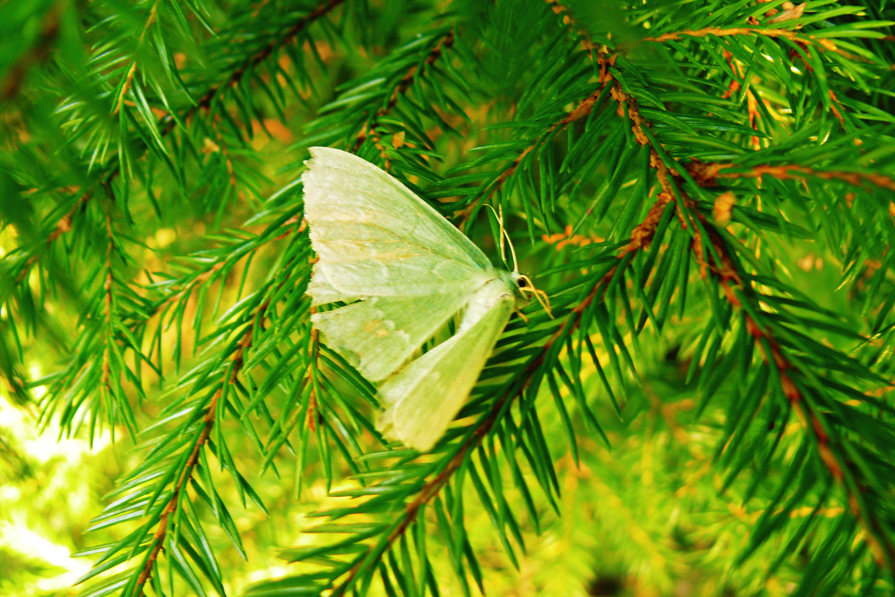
704 189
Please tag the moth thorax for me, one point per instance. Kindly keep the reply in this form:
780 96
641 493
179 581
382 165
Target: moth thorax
494 291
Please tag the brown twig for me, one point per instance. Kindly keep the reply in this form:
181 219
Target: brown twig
312 396
580 111
796 172
204 103
369 129
108 305
129 78
158 538
62 226
15 76
824 43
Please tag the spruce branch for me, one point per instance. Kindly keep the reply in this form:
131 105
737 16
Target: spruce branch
33 57
580 111
797 172
689 175
717 262
831 450
226 386
131 71
751 101
106 388
62 226
535 366
165 300
211 267
78 370
288 36
167 123
161 531
824 44
397 96
443 45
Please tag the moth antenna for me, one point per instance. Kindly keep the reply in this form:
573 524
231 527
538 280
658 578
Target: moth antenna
539 294
503 255
505 234
512 251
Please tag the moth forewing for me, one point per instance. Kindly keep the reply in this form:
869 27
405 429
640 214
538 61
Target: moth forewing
380 334
423 399
374 237
324 293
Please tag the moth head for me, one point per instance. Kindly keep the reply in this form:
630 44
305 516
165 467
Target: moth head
525 289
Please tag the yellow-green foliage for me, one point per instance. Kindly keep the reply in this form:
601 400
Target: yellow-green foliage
704 189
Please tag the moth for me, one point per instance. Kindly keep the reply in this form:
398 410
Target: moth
403 272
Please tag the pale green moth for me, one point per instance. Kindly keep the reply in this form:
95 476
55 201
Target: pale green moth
404 271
